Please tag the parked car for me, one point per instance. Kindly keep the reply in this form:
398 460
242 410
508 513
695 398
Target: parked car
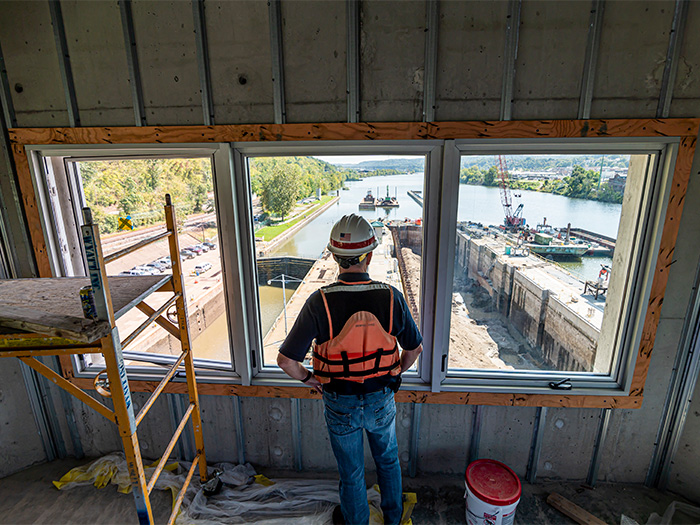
165 261
204 247
187 254
202 267
156 265
147 270
132 272
196 250
210 245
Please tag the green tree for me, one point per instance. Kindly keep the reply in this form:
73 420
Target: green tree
280 189
607 194
580 184
490 177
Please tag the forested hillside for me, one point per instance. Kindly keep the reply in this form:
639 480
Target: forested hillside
118 188
581 184
519 162
310 173
547 162
281 181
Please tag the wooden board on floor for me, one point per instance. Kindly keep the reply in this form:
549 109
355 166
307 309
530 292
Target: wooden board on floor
572 510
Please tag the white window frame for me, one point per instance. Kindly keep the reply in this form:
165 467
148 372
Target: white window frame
441 184
42 156
629 339
250 323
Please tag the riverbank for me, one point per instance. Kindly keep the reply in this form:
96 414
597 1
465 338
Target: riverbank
264 248
268 233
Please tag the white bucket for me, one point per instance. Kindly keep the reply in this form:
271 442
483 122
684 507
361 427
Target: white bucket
493 493
482 513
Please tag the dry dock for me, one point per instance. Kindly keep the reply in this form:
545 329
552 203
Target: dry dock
541 300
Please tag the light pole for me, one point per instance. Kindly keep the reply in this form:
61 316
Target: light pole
284 279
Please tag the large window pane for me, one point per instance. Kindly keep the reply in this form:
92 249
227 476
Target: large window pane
119 189
543 260
296 201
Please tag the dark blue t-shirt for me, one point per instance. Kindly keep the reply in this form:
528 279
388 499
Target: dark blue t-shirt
312 324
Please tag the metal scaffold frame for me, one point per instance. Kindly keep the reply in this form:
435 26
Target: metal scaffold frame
101 337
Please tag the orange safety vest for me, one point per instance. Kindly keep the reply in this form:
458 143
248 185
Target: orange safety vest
363 349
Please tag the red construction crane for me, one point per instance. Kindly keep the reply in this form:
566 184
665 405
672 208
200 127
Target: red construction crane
513 220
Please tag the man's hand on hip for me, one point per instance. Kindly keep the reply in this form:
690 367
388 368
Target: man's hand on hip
296 370
315 384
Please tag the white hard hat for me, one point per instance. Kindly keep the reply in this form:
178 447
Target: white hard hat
352 236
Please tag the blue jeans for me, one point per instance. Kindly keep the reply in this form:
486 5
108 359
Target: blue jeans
346 416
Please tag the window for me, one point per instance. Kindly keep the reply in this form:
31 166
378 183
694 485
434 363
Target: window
291 204
549 258
510 300
126 196
531 281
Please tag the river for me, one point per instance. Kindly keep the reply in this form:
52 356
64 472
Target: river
476 203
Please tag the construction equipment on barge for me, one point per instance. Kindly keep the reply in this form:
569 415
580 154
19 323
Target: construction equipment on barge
388 202
513 219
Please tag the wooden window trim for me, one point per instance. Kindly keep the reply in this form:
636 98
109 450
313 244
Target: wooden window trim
685 130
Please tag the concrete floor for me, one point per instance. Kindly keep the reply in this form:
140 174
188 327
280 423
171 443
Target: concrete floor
30 497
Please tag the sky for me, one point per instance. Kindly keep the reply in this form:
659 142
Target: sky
356 159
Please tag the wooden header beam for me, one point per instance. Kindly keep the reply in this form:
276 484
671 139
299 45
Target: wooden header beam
359 131
685 129
403 396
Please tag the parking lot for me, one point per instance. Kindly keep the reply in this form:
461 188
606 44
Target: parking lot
196 286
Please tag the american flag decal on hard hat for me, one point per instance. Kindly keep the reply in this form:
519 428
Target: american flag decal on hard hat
345 236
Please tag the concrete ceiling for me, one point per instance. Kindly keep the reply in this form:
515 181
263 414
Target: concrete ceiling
470 60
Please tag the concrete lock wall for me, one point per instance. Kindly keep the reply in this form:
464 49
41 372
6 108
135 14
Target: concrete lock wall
468 86
272 267
562 338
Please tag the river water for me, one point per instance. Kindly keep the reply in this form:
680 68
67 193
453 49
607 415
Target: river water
476 203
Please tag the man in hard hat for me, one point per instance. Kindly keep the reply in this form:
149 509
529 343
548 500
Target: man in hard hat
356 326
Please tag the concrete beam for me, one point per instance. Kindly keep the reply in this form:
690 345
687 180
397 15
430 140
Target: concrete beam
470 50
314 33
392 61
8 108
623 67
353 59
431 57
168 62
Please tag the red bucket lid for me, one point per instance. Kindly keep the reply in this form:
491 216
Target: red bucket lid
493 482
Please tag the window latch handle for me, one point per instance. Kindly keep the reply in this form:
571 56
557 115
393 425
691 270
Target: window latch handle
564 384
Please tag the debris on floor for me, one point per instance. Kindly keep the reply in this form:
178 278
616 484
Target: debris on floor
676 512
242 497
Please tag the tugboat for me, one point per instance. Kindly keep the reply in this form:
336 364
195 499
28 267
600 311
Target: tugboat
388 202
369 202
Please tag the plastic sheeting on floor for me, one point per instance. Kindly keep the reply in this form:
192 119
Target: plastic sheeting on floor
246 497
